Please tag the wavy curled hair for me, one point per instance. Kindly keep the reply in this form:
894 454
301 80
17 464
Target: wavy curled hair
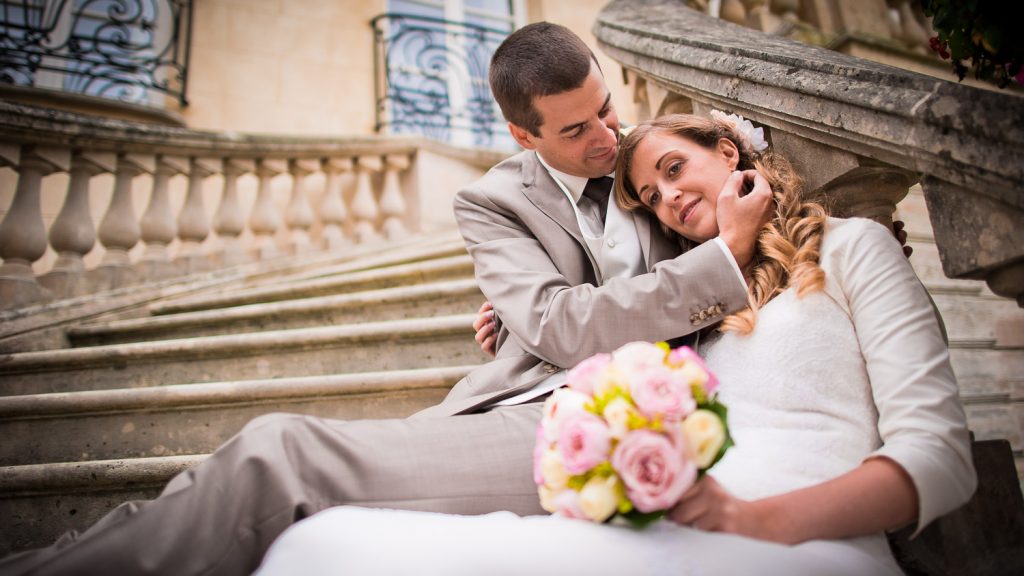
788 247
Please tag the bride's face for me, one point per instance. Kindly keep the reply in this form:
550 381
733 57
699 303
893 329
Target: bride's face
679 181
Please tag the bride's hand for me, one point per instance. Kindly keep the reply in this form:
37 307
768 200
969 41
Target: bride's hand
709 506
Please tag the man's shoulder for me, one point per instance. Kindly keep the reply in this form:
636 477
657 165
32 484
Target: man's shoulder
502 177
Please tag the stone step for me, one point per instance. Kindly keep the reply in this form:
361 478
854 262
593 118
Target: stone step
42 327
997 420
372 346
40 502
425 300
988 372
196 418
976 316
407 267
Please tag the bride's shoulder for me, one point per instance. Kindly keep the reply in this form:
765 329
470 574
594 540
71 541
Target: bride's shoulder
843 234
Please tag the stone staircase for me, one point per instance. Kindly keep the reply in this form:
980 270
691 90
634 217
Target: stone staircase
104 406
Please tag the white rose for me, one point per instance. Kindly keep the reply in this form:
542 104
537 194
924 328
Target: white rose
562 403
705 435
599 498
611 377
553 469
692 374
617 414
547 498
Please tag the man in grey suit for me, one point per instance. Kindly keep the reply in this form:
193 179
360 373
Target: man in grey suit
569 281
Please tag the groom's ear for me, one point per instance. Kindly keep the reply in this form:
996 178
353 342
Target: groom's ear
522 136
727 148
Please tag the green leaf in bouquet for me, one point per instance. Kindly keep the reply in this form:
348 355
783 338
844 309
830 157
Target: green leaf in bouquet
643 519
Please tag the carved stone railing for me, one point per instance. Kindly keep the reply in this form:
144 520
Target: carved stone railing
362 200
860 132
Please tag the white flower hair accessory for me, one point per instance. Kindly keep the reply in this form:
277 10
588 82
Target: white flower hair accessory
626 130
743 127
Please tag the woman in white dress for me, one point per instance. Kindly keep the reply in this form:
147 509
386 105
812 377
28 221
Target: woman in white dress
843 406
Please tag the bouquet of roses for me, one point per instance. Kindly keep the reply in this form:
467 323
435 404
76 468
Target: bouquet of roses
629 435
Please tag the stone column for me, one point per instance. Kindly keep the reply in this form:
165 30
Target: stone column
72 234
855 185
193 226
23 232
332 207
299 215
119 230
229 222
364 205
264 220
159 228
392 204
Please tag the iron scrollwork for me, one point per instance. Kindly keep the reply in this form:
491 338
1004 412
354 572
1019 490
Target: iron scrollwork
432 78
119 49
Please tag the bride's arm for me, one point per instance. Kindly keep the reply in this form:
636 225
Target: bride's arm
923 468
877 495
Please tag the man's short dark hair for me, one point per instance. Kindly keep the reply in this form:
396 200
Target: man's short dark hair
539 59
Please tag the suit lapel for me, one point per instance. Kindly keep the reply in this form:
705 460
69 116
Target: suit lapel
540 188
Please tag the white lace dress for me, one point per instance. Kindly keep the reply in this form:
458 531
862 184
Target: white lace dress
823 383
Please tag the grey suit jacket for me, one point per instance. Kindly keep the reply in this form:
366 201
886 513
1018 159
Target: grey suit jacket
531 263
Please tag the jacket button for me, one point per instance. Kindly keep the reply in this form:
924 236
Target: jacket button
550 368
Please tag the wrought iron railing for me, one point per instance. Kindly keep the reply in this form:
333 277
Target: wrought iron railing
431 79
128 50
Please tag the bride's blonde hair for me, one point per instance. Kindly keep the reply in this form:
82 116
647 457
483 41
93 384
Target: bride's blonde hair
788 247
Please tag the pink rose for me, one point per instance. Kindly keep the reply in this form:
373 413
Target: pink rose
662 392
638 356
685 354
561 405
582 377
538 451
584 442
654 471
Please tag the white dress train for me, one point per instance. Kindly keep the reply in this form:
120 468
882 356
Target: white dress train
824 382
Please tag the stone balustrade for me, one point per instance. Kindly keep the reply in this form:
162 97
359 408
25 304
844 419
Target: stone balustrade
362 199
859 132
888 24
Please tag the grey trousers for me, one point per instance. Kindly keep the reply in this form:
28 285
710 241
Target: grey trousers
221 517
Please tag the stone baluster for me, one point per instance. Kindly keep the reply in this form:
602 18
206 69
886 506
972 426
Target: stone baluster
299 215
229 222
364 205
23 232
264 220
392 203
332 207
72 234
912 27
193 225
158 225
119 229
855 185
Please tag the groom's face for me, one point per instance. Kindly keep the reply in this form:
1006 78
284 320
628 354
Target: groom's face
580 129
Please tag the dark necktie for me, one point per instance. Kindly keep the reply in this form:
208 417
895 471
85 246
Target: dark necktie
598 190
